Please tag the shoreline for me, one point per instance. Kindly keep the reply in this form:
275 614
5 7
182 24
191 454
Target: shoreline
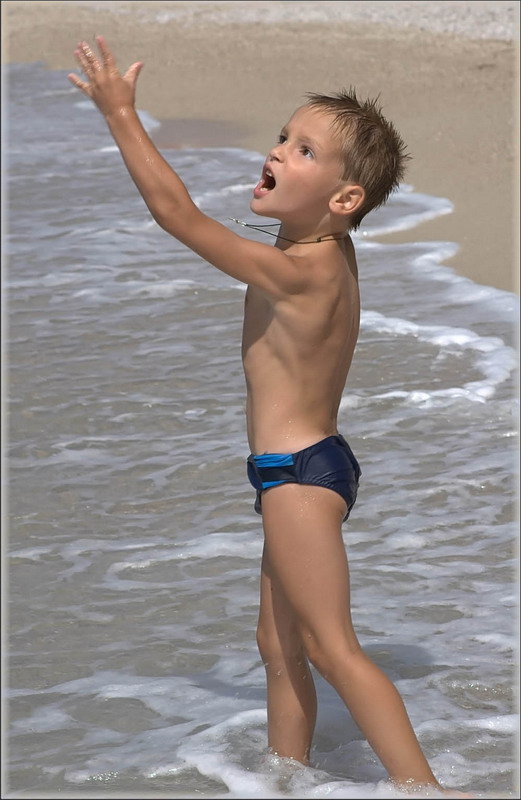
212 80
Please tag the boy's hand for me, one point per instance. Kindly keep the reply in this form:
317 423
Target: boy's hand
109 90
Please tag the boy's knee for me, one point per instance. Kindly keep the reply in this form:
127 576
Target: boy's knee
273 651
316 656
328 656
263 642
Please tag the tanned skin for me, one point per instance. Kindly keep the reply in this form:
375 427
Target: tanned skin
301 322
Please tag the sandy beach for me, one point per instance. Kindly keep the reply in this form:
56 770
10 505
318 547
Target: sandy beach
231 73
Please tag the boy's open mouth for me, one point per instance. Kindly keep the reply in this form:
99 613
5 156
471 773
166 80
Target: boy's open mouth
266 183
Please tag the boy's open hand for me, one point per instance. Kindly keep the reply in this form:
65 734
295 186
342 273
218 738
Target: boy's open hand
109 90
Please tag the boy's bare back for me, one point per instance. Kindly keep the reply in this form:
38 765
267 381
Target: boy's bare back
297 351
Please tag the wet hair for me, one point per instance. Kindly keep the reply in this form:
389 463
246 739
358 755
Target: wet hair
373 151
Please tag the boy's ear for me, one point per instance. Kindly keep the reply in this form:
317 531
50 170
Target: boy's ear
348 199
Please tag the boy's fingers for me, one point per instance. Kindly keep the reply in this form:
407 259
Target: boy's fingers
84 63
89 57
78 82
133 71
108 58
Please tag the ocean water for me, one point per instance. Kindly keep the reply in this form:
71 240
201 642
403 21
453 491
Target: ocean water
131 578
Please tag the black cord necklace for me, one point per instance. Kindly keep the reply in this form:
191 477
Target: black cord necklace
329 237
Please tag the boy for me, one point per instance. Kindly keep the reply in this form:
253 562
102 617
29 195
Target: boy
335 160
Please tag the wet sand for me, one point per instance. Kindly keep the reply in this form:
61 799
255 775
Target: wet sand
230 74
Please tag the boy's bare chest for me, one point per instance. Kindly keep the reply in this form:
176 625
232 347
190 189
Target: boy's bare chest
258 316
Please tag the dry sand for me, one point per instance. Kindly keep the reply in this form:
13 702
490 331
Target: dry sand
231 73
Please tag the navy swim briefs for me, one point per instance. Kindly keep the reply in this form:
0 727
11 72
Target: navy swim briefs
329 463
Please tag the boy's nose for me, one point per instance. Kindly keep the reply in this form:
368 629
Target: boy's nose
276 152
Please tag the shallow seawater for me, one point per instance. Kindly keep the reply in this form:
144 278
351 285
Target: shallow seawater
133 547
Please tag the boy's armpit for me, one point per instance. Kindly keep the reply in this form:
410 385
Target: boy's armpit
250 262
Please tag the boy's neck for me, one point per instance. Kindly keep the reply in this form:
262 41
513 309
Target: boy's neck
300 235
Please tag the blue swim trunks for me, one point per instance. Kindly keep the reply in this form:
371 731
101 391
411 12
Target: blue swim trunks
329 463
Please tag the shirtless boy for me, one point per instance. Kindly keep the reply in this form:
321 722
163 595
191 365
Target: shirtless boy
334 161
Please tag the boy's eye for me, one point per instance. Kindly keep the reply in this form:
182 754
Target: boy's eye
282 138
307 152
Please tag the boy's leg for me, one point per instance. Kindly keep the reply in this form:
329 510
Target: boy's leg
303 541
292 704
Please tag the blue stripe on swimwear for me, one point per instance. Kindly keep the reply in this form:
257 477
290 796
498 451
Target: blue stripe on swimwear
329 463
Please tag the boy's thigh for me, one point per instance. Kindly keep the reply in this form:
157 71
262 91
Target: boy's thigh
303 540
303 503
276 614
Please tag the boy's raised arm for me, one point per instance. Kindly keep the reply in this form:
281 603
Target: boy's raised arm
114 95
163 190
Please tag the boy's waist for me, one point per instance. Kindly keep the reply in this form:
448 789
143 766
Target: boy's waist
278 459
331 452
284 446
267 436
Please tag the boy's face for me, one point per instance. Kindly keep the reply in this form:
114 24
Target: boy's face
302 171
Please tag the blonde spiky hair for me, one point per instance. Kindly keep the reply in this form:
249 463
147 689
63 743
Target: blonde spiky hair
374 153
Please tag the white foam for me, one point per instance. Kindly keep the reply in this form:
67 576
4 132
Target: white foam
506 724
31 553
408 541
208 545
195 413
59 92
212 545
228 752
405 209
163 288
463 291
225 191
493 358
85 105
42 720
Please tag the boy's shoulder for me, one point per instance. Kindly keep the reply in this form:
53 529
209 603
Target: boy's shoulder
327 260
